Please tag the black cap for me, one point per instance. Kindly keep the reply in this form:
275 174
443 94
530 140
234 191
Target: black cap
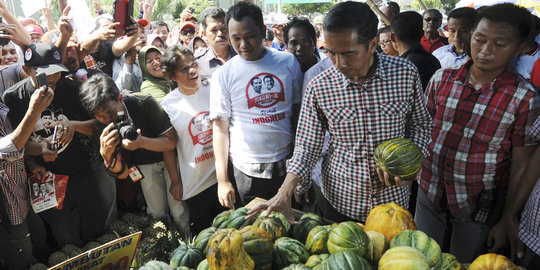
44 57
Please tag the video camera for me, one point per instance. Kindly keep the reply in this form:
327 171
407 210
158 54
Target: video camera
125 127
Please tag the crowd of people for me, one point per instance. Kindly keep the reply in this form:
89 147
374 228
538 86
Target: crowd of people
185 122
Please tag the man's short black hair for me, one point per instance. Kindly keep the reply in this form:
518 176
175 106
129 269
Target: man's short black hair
246 9
393 7
156 24
383 30
269 77
97 91
465 14
269 34
300 22
407 26
210 12
169 60
518 17
251 81
352 15
436 12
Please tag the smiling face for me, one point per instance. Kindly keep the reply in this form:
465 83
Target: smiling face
350 57
153 63
269 82
9 55
257 84
187 74
493 44
301 45
187 34
246 38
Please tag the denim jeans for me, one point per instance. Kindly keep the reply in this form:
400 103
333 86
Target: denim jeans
155 187
106 185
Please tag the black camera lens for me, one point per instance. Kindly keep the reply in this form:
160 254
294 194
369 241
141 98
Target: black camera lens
128 132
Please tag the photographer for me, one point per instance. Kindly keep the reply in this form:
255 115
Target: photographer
138 158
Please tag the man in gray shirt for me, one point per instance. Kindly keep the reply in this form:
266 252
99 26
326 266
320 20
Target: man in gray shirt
217 36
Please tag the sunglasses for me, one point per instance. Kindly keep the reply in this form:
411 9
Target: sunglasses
191 31
429 19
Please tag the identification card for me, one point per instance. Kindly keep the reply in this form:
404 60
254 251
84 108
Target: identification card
135 174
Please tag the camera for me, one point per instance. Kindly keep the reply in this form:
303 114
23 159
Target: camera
125 127
3 41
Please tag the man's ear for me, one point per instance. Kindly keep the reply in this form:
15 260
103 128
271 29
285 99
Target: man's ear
372 45
120 98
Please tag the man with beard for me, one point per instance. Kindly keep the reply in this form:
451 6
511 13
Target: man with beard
217 37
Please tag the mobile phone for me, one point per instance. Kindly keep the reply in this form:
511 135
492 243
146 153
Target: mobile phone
123 9
191 8
41 79
3 41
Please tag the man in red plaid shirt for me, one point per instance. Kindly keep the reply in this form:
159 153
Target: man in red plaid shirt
482 113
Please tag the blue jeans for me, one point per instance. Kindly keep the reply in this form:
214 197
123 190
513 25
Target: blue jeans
106 185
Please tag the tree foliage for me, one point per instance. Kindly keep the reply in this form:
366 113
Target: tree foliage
447 5
306 9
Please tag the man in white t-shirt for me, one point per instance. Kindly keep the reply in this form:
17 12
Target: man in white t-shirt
252 128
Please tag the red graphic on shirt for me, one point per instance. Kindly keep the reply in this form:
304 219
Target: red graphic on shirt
200 128
262 91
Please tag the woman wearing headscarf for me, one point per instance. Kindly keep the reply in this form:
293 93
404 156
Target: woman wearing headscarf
155 82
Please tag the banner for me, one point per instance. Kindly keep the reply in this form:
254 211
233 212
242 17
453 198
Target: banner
30 7
117 254
83 20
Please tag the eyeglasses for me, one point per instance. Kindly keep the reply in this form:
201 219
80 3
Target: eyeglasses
429 19
385 43
191 31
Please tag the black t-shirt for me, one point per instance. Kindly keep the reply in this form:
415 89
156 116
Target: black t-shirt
153 121
424 61
10 75
65 106
104 57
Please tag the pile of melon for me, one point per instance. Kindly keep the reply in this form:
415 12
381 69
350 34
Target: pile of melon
388 241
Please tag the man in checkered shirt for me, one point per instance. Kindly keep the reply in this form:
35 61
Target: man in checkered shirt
363 100
482 112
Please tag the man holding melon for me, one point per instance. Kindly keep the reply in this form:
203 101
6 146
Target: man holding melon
365 99
480 145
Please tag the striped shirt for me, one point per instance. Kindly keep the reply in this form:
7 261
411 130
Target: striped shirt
474 132
359 116
529 227
16 199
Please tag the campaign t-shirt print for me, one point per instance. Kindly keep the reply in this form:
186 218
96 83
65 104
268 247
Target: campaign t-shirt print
264 90
45 126
200 128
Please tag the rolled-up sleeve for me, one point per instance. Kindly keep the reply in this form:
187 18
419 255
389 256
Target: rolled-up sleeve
8 151
220 100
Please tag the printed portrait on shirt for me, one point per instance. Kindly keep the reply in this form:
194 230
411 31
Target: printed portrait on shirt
200 128
264 90
44 129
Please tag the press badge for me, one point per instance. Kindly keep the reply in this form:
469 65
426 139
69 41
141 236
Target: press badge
135 174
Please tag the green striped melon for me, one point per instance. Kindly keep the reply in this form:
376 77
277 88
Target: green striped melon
348 235
399 157
403 258
422 242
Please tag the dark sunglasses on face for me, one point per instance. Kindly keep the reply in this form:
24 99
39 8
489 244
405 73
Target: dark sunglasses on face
429 19
191 31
